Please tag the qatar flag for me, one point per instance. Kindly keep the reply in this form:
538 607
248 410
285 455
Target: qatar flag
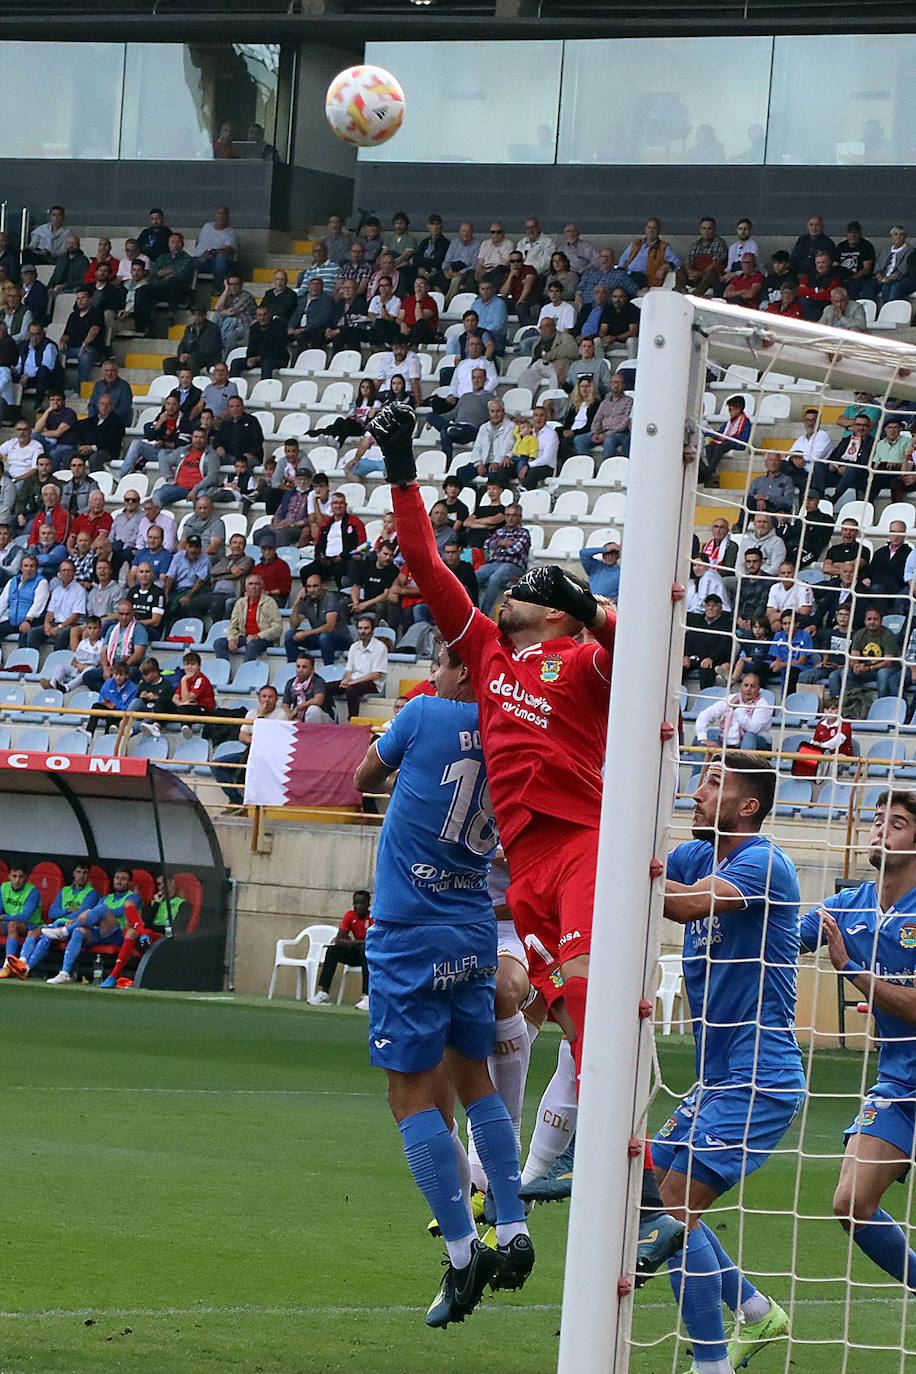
294 764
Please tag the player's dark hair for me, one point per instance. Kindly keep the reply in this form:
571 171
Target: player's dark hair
905 800
454 660
736 401
149 665
122 868
757 779
362 892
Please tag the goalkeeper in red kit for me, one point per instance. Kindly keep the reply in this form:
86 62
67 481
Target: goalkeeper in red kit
543 704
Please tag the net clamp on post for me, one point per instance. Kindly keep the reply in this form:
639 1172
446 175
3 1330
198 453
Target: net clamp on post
635 1147
624 1287
667 731
645 1009
656 868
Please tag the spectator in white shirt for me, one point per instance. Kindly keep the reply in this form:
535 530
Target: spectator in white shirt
130 256
814 444
536 247
491 457
705 581
21 454
743 720
544 465
367 666
461 377
564 312
787 594
217 247
743 244
48 240
66 604
400 359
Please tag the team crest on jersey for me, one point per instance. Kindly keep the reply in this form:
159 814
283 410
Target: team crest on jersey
556 977
867 1116
908 937
550 669
668 1127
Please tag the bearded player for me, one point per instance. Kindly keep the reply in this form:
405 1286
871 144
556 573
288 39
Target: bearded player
543 703
870 934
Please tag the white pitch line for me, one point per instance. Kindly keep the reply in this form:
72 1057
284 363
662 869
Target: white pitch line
250 1309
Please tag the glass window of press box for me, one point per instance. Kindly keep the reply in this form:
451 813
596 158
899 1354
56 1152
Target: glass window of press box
137 100
740 100
472 102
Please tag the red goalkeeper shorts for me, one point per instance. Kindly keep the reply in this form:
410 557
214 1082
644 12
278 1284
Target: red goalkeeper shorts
551 896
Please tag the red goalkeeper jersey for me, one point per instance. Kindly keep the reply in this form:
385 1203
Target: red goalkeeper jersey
543 709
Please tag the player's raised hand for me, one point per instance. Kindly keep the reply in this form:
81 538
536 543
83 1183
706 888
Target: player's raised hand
553 587
836 945
392 429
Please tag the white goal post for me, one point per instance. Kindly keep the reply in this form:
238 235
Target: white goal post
678 336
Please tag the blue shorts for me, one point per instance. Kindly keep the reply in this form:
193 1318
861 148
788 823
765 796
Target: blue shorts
94 936
430 987
721 1134
888 1112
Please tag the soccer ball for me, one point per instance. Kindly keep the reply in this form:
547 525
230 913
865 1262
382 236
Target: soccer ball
365 106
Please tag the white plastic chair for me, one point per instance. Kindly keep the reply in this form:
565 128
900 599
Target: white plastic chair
575 470
301 396
295 425
749 403
893 313
613 472
309 360
518 401
347 363
570 505
146 417
234 354
535 504
338 396
870 309
670 988
776 405
158 388
610 506
266 419
267 392
134 481
863 511
460 302
315 940
897 510
564 543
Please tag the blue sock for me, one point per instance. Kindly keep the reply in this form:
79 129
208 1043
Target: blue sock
38 951
697 1270
735 1287
12 946
431 1155
494 1137
28 945
74 946
883 1241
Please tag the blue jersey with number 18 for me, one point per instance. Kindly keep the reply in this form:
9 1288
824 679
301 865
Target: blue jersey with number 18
439 834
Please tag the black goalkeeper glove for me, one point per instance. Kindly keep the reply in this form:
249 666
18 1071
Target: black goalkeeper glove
392 429
553 587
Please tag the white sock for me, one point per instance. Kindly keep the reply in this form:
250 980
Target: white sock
508 1230
556 1118
756 1308
533 1031
459 1252
509 1066
711 1366
464 1165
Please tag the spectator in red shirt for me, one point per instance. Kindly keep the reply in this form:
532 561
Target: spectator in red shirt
788 303
814 287
194 695
348 947
52 513
95 521
747 287
419 315
273 571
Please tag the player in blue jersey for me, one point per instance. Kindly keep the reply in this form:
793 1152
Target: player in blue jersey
736 894
870 934
432 955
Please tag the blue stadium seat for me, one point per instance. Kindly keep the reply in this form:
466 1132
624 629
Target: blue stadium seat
282 676
701 701
888 749
40 705
216 669
249 677
833 802
801 708
685 803
189 752
790 745
81 701
152 747
5 737
33 739
104 745
19 662
791 795
870 801
882 714
71 742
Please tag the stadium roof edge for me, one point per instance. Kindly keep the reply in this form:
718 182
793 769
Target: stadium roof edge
674 20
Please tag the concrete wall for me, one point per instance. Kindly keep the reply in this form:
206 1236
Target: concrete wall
320 177
618 200
307 874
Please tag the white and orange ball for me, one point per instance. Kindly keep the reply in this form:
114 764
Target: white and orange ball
365 106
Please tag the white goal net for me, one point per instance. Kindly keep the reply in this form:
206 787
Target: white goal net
789 516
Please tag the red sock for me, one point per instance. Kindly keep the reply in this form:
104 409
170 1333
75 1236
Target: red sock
128 950
574 994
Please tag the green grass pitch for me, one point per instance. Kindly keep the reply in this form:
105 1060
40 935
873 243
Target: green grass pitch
201 1185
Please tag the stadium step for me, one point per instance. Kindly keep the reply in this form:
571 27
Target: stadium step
303 247
706 514
145 361
265 275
